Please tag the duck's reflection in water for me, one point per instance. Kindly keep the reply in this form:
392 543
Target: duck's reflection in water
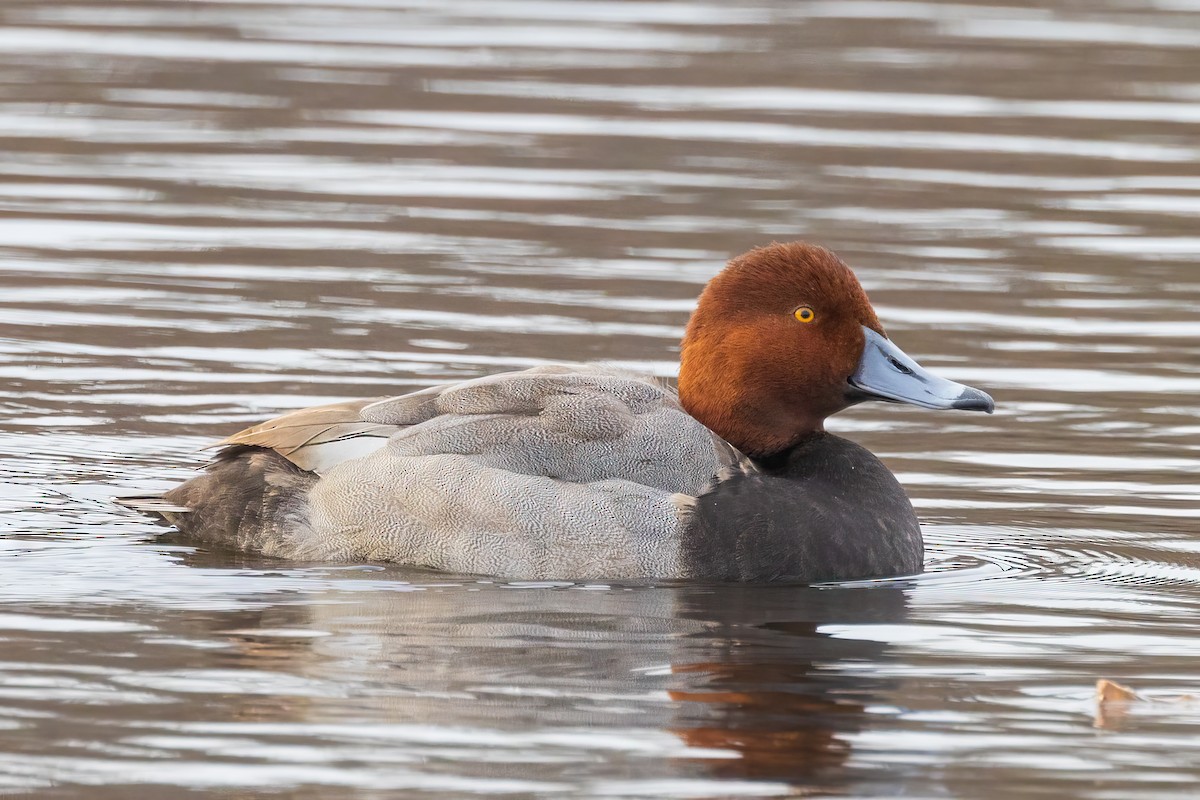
491 682
774 689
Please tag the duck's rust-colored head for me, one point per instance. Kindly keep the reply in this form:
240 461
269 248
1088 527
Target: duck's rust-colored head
784 337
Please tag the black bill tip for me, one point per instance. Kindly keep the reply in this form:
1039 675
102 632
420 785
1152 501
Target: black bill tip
974 400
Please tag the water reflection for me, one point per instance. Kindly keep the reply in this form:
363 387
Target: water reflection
739 686
773 688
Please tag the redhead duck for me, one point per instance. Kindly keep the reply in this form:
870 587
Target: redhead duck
585 472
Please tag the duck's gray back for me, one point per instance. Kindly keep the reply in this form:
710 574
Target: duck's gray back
554 472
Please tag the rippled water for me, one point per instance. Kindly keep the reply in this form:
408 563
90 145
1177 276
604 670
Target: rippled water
218 210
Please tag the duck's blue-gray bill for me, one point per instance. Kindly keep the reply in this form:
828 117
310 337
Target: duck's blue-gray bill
885 372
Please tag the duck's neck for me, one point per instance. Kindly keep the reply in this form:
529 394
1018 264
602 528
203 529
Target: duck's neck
781 462
756 416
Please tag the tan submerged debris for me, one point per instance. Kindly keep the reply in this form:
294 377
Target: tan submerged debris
1110 691
1113 702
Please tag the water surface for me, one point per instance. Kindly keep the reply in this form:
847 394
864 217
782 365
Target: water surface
216 211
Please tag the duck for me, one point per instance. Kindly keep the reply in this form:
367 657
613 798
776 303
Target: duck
587 472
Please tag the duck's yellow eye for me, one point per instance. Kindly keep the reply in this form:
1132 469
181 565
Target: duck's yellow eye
804 314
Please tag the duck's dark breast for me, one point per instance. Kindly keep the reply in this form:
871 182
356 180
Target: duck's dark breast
826 510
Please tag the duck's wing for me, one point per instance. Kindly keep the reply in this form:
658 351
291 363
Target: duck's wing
561 406
578 423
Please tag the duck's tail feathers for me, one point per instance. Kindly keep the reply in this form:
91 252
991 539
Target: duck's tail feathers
154 505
